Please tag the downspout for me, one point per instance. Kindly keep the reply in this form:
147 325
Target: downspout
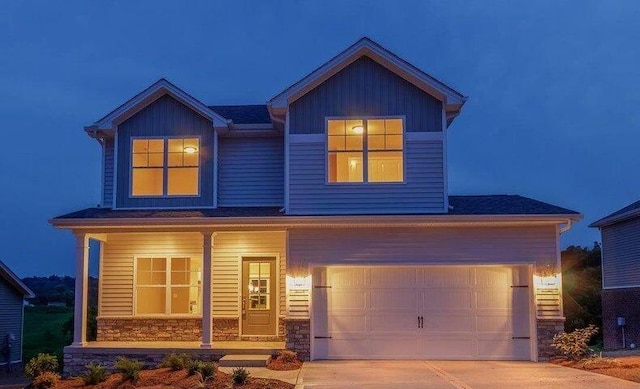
566 227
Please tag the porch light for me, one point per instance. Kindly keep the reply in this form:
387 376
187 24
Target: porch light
547 278
299 282
357 129
190 149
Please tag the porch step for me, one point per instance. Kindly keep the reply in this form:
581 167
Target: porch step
248 360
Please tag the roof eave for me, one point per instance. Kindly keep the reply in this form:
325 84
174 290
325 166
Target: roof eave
609 220
15 281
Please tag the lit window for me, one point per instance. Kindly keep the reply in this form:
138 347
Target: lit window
365 150
168 286
165 167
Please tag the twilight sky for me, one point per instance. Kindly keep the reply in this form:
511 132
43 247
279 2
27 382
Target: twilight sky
553 110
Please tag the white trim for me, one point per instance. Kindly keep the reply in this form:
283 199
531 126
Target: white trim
445 163
115 171
287 140
215 169
257 256
148 96
533 308
366 47
167 288
100 277
165 167
558 270
102 172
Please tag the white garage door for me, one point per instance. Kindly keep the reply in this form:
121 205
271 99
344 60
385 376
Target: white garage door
445 312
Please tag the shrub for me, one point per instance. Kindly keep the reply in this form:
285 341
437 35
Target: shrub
47 379
42 363
208 370
195 366
176 361
575 345
128 367
95 374
287 356
239 375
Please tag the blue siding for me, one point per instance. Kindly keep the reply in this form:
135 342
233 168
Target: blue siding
365 88
165 117
621 254
11 312
108 166
251 171
423 191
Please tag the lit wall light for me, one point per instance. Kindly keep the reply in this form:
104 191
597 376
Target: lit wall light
546 281
190 150
358 129
299 282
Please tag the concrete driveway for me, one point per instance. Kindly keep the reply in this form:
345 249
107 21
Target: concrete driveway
450 375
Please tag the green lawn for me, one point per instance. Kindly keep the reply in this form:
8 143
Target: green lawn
43 331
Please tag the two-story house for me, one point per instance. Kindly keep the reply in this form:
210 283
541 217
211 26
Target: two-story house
320 221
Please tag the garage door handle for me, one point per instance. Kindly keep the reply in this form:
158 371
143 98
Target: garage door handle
421 321
418 321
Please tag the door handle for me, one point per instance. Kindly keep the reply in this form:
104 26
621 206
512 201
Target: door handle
244 305
421 321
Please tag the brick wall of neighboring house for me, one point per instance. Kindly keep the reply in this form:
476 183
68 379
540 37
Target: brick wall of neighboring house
298 337
620 303
547 328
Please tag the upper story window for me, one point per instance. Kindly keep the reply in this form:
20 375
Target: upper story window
168 286
165 167
365 150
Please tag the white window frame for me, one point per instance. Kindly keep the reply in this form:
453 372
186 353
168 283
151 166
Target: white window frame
167 287
165 167
365 151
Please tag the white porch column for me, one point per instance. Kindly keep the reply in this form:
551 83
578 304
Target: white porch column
206 289
81 291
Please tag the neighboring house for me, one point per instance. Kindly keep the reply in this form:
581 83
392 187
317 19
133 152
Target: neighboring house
321 220
12 295
621 277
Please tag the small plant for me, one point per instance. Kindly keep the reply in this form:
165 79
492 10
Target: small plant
287 356
95 374
575 345
47 379
176 361
129 368
208 370
41 363
239 375
195 366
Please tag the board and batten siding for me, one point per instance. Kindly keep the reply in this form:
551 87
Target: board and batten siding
365 88
311 247
250 171
11 312
422 191
117 268
621 254
108 169
228 250
165 117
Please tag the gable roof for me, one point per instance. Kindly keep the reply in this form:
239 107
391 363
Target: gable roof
244 114
149 95
503 205
628 212
452 99
14 281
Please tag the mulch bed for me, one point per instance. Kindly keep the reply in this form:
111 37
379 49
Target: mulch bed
167 378
627 368
279 364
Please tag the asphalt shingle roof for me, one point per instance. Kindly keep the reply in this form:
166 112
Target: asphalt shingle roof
244 114
622 214
459 205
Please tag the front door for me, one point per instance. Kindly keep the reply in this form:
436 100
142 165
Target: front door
259 296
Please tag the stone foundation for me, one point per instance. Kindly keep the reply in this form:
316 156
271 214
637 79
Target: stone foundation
77 359
11 370
151 330
225 329
298 337
620 303
547 329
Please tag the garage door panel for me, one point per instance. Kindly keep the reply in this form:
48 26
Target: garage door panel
492 277
495 323
391 300
347 323
347 299
441 324
347 277
398 324
392 278
494 298
443 277
389 347
454 347
446 298
348 348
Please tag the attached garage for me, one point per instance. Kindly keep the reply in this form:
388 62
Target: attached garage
423 312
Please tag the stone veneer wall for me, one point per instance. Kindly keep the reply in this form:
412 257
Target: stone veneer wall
547 328
225 329
77 359
298 337
620 303
151 329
